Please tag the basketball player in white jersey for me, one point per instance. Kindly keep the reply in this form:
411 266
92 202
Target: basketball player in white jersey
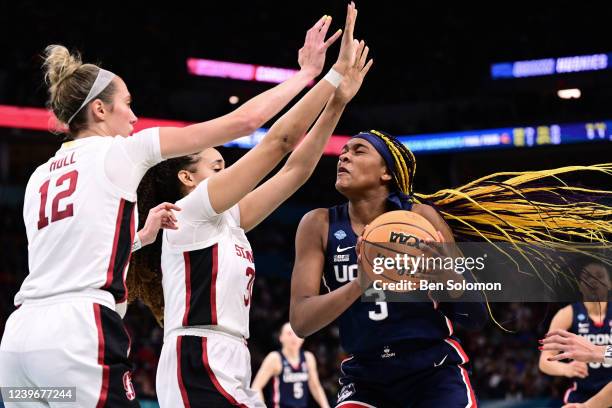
294 373
80 223
208 267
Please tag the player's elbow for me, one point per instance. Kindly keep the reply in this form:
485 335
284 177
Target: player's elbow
298 328
247 122
252 123
298 323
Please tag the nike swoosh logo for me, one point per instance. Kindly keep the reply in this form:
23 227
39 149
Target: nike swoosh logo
344 249
463 314
441 362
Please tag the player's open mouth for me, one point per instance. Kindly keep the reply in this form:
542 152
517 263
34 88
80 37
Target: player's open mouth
342 170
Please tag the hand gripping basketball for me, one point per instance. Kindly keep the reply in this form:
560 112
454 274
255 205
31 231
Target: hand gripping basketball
391 250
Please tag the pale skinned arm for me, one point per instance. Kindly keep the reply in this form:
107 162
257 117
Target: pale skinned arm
270 367
231 185
314 385
253 114
258 204
572 346
562 320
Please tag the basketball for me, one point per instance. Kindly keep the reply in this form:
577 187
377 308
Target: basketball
391 248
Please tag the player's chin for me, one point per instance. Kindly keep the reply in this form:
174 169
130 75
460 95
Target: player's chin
342 180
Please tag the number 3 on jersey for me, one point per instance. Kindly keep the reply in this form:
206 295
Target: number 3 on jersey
56 214
382 313
250 272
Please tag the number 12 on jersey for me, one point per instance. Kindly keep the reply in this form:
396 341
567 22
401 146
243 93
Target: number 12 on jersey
67 181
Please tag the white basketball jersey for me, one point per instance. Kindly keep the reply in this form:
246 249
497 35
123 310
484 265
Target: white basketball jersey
80 218
208 269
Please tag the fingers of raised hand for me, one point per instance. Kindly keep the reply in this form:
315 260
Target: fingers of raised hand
351 16
365 69
559 332
332 39
556 339
557 357
324 27
363 55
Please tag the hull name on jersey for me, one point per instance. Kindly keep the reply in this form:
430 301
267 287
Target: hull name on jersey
598 339
244 253
63 162
345 273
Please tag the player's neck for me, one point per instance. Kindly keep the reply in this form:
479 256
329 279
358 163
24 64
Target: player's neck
93 131
596 308
363 211
291 354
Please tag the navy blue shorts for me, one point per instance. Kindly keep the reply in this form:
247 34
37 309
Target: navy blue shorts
399 378
573 395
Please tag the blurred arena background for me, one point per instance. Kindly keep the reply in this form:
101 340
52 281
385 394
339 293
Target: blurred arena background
434 76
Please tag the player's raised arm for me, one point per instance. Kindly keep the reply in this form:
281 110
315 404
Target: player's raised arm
257 111
228 187
258 204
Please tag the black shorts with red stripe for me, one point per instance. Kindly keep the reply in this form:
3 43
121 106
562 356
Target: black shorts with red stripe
198 384
113 347
402 375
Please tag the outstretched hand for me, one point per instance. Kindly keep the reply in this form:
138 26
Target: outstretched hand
347 45
355 73
311 56
572 346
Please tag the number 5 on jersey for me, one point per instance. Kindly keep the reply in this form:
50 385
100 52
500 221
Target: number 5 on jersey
67 181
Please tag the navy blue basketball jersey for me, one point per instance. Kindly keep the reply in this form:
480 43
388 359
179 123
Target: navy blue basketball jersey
371 326
600 334
290 387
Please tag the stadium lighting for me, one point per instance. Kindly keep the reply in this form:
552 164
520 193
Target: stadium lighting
513 137
572 93
550 66
235 70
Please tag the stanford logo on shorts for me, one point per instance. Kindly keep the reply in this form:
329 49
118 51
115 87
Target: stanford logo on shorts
129 388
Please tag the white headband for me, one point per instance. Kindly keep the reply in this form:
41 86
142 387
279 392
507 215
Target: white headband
103 78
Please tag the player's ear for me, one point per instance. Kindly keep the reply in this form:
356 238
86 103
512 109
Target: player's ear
185 177
98 109
386 176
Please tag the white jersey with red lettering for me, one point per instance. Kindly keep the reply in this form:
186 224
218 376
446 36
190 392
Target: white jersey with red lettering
80 218
208 269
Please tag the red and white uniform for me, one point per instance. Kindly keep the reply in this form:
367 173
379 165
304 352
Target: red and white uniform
80 219
208 276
